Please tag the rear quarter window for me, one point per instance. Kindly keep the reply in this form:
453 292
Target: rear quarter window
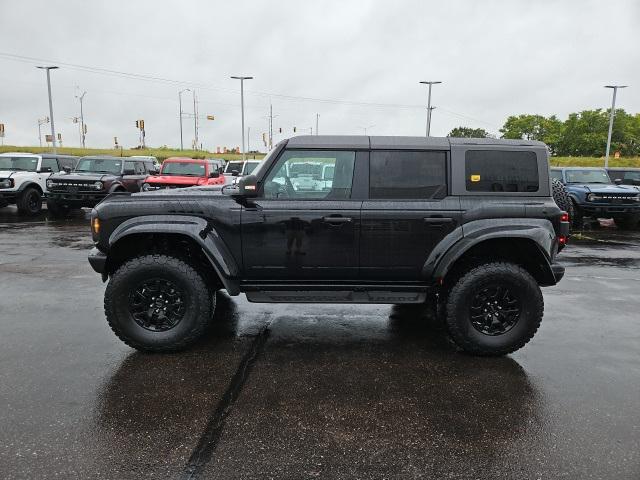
501 171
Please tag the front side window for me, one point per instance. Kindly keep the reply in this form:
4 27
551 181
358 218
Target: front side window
587 176
99 165
407 175
184 168
27 164
501 171
298 175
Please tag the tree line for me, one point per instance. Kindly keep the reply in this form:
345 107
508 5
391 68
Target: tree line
582 134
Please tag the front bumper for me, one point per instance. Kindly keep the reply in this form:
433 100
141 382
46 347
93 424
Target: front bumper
610 210
98 261
77 199
8 196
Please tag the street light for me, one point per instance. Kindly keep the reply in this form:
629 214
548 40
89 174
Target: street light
611 115
242 79
430 83
53 128
82 128
180 102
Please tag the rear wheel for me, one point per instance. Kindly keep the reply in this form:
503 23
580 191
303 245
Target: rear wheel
29 201
158 303
494 309
57 209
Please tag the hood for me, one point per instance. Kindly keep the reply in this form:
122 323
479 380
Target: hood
14 173
83 176
606 188
174 179
196 191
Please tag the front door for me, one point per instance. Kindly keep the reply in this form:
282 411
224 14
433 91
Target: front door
303 226
407 214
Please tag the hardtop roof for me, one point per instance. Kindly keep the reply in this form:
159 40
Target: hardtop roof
399 142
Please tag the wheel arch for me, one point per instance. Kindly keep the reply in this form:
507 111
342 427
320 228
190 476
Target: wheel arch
528 245
29 184
192 237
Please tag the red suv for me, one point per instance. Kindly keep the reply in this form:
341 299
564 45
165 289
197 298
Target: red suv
184 172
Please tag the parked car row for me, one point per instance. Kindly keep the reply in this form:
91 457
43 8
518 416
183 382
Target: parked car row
68 182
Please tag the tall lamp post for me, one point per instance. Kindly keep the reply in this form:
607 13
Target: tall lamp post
242 79
612 114
82 127
430 83
180 103
53 128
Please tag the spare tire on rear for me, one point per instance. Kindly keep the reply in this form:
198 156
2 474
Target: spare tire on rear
561 197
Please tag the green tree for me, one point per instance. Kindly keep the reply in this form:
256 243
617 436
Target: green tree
468 132
534 127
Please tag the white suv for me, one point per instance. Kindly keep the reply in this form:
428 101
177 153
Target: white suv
23 178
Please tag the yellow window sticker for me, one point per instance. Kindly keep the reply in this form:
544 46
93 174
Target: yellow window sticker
475 178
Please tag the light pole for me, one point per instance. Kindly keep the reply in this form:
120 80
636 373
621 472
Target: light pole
242 79
180 103
195 121
53 128
82 129
317 117
366 128
612 114
430 83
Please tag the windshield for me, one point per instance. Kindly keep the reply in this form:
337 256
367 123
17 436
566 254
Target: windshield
231 166
306 169
184 168
28 164
250 167
587 176
99 165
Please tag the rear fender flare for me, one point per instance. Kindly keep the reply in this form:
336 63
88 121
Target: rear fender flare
539 231
198 230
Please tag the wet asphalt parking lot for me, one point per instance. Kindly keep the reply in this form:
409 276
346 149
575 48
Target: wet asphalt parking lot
313 391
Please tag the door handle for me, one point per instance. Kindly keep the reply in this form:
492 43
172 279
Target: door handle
336 220
438 221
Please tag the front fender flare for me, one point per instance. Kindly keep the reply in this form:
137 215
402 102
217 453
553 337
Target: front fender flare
197 229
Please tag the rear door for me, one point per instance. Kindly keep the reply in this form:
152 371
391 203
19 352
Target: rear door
290 233
408 212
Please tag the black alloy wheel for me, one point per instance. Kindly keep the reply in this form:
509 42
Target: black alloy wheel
157 305
494 310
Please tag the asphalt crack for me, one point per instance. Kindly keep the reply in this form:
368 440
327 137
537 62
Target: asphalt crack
203 453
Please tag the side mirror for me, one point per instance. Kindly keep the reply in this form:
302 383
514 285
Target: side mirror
66 169
618 181
45 170
214 174
128 171
248 186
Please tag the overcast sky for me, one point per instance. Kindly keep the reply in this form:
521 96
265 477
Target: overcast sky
357 64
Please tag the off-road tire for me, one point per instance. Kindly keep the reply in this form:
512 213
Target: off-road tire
29 201
56 209
630 222
459 300
199 303
561 196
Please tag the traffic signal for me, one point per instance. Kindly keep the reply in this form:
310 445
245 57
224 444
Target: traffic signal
137 124
210 117
84 128
294 129
1 127
280 130
141 124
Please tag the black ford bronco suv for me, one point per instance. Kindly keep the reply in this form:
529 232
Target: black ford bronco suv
94 178
469 222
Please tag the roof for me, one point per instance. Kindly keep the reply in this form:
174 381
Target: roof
398 142
577 168
185 160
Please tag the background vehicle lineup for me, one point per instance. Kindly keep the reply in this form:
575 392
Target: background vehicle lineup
390 227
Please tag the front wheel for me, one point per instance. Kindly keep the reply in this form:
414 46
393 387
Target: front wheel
494 309
57 209
630 222
30 201
157 303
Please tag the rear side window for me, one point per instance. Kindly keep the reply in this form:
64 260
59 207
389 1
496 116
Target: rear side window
501 171
407 175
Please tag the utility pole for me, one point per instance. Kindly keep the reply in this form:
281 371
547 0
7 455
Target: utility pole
195 121
180 103
366 128
53 128
242 79
317 117
270 126
82 127
612 114
248 139
430 83
41 121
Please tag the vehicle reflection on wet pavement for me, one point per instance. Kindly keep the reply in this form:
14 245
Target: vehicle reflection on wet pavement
329 391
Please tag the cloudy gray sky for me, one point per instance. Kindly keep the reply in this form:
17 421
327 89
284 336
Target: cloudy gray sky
355 63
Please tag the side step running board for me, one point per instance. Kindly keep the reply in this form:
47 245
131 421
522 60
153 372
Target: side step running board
337 296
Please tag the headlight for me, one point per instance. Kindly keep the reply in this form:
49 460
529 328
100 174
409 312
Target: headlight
6 183
637 198
98 185
145 187
591 197
49 183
